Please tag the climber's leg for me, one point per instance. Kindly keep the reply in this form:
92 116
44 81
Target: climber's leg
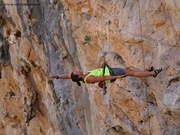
137 73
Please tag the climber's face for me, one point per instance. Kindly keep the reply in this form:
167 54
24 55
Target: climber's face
79 73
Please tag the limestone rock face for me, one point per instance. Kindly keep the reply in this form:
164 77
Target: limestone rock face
39 39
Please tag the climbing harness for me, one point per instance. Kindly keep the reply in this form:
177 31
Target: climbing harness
102 84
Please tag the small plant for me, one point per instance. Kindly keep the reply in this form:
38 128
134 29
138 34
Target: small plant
86 39
84 43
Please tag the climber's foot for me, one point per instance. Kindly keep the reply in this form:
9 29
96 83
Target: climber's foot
156 72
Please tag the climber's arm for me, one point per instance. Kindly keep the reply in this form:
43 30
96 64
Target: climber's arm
94 79
65 76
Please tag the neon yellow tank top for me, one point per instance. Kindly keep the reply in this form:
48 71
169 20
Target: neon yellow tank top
98 72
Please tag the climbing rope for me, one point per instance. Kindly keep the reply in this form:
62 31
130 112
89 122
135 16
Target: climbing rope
102 28
106 30
144 65
102 84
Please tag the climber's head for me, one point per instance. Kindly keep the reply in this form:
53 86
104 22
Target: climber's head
75 76
78 72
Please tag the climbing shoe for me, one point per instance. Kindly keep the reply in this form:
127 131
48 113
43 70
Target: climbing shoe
156 72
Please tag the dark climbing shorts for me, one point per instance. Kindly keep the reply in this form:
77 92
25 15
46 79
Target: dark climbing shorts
117 71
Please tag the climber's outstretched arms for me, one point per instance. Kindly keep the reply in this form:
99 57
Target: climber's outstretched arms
65 76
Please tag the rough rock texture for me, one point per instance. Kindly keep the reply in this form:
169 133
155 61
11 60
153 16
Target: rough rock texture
38 39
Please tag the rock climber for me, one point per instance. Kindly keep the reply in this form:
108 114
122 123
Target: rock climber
110 74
